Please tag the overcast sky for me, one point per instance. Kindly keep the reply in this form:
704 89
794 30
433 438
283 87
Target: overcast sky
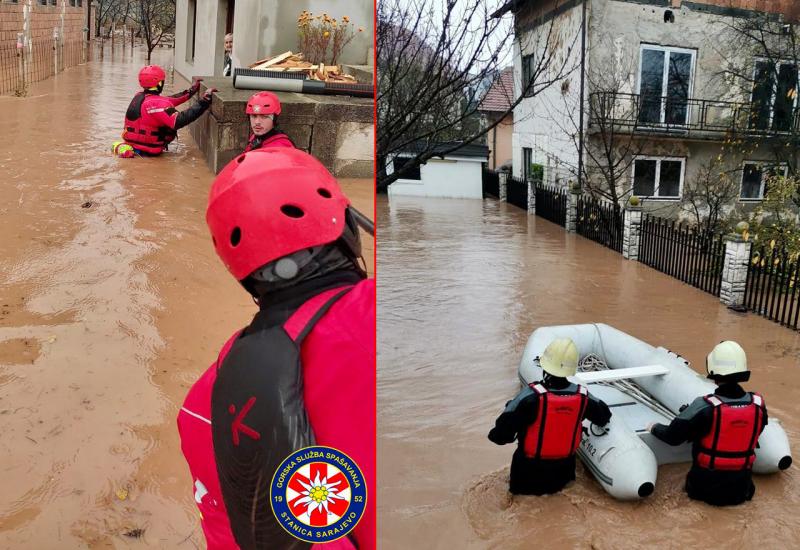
487 7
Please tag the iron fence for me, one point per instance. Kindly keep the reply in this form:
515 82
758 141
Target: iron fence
771 289
19 67
600 221
491 183
692 256
517 192
551 203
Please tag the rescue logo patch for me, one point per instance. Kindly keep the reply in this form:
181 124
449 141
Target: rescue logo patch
318 494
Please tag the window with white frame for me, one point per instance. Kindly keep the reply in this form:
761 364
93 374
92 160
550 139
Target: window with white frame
774 96
665 84
755 177
658 177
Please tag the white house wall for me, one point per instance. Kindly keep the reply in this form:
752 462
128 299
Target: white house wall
209 38
545 122
261 29
457 178
618 50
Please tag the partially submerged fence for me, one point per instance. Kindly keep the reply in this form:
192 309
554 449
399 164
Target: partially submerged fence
600 221
694 257
21 66
771 288
551 203
517 192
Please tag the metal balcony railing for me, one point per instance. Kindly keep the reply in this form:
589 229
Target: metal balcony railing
702 118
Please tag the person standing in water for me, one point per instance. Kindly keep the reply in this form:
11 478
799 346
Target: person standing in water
723 428
152 121
545 419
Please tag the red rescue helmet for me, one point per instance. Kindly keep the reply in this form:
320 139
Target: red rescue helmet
151 76
263 103
268 203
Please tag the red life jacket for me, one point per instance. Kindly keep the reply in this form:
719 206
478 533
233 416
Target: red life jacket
731 442
143 130
556 432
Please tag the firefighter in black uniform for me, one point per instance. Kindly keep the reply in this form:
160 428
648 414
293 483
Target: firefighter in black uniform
545 419
724 428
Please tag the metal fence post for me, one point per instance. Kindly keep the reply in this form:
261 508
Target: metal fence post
571 224
503 186
734 269
55 51
21 63
632 233
531 197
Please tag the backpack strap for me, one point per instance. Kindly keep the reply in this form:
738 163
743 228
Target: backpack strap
538 388
299 325
713 400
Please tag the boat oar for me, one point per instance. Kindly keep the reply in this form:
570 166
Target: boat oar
366 224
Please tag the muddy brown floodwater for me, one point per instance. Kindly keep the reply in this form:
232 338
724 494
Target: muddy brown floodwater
462 285
108 313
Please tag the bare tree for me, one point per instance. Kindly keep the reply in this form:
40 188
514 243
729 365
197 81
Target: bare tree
155 18
109 12
707 197
430 67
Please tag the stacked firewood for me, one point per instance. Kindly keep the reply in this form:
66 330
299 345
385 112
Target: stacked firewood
294 63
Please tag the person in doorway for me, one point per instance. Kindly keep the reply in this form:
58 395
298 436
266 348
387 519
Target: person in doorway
263 110
723 428
152 120
545 419
227 64
303 371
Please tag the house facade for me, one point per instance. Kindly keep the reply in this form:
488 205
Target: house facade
495 104
677 97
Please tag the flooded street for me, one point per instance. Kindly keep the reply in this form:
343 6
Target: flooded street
112 302
462 285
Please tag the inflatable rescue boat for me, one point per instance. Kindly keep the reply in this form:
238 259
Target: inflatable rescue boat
641 384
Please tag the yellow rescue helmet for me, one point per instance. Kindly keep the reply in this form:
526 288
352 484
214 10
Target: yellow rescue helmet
726 358
560 358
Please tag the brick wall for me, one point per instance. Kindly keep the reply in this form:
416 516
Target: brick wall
43 20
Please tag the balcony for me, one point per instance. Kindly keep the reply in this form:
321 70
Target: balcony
683 118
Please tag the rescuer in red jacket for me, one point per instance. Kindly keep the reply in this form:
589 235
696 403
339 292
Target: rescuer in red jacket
545 419
152 120
724 428
303 371
263 109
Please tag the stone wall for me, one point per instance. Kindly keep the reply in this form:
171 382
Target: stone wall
338 130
